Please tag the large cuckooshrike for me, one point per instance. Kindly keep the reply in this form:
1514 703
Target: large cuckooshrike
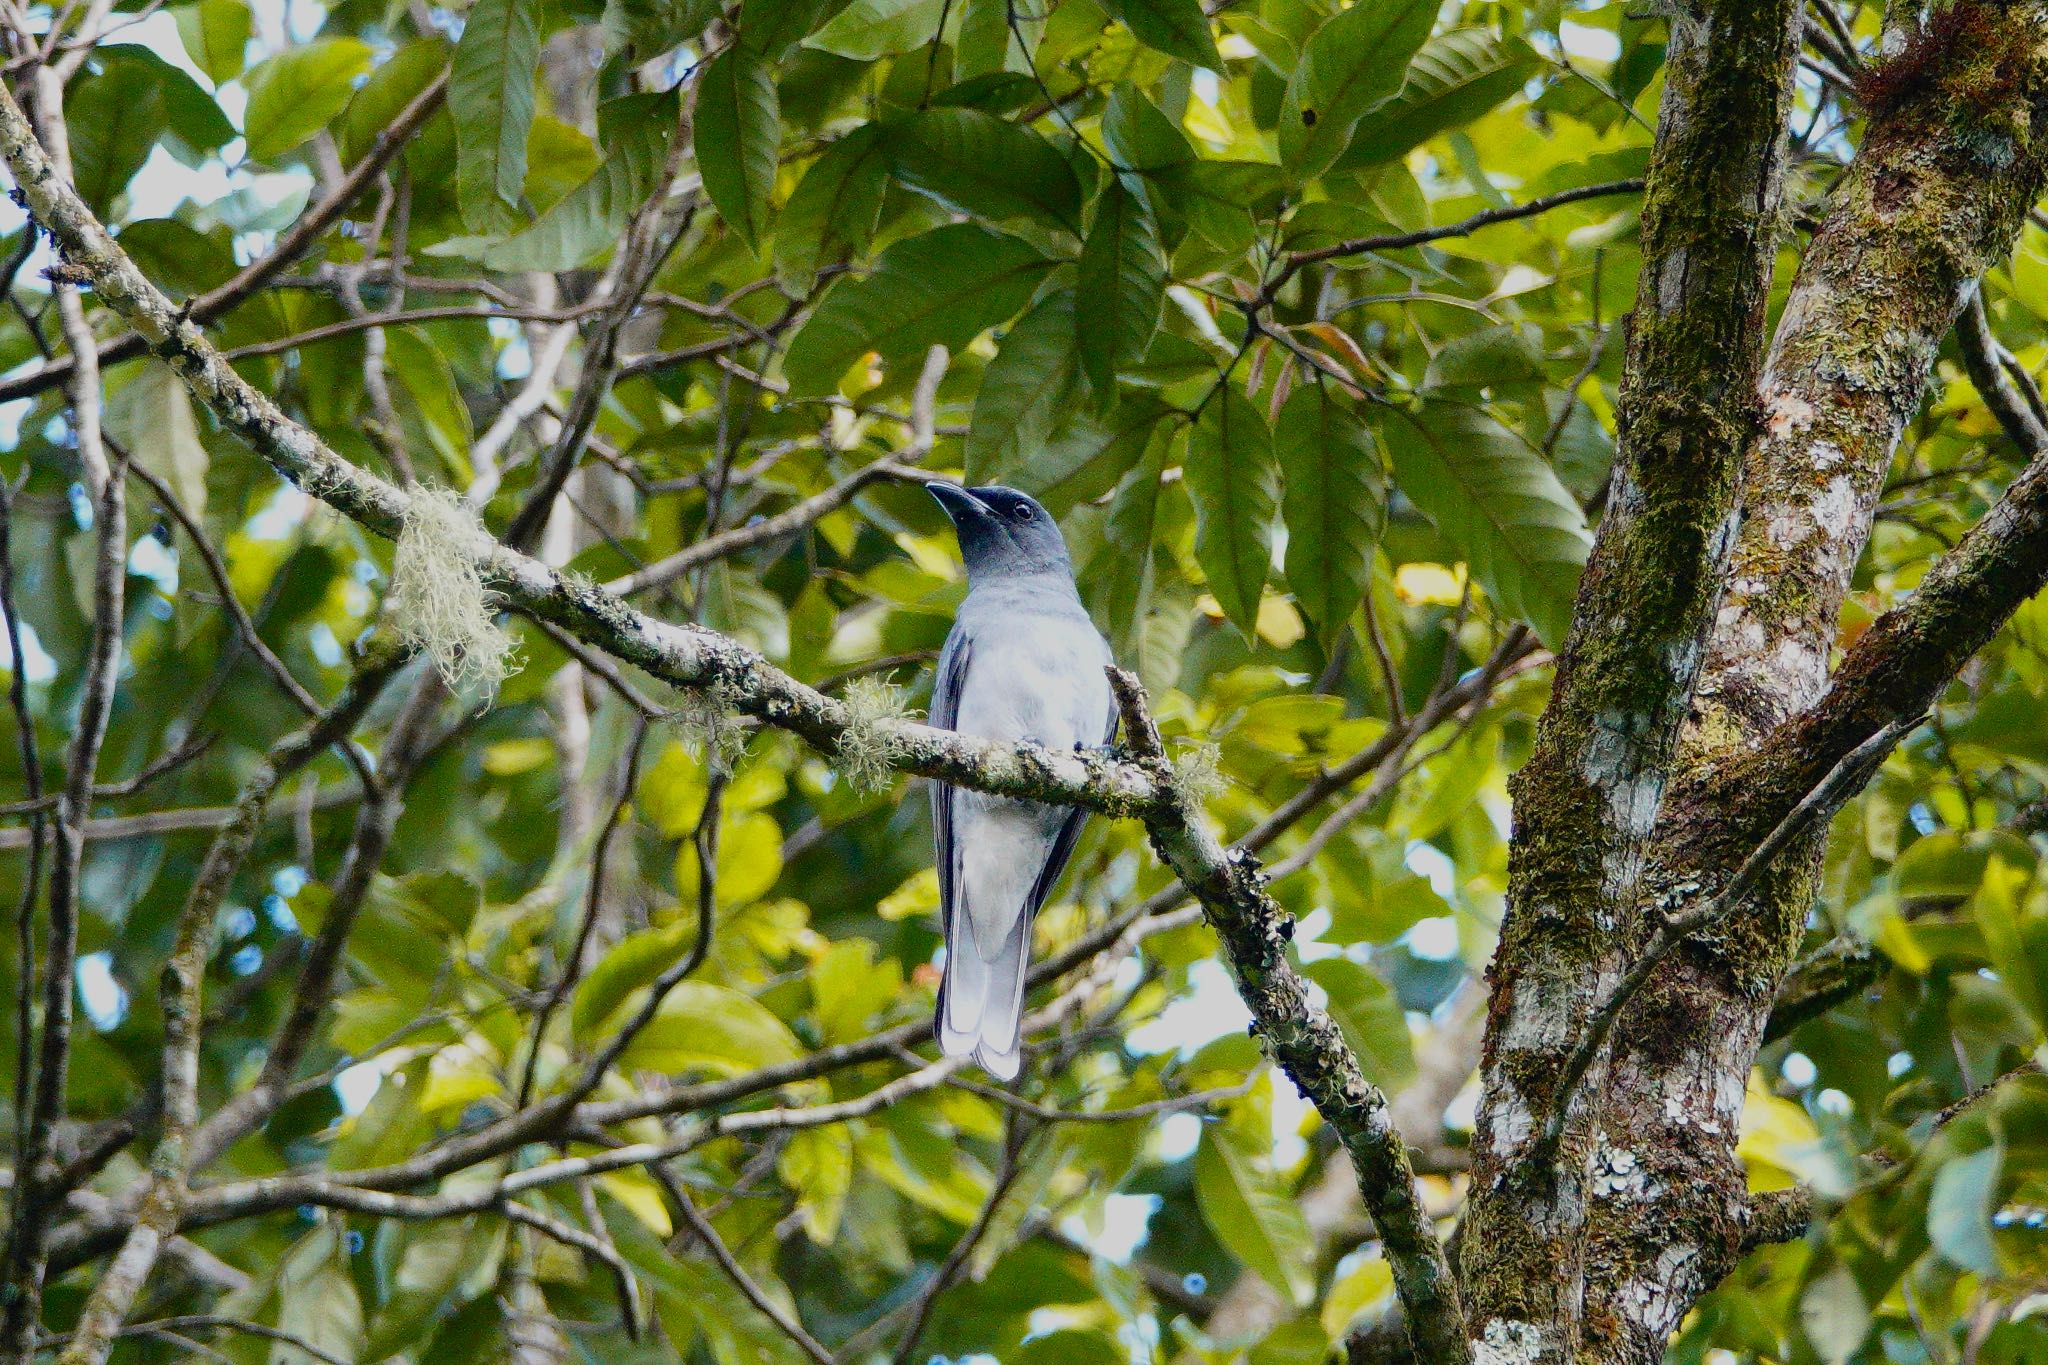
1023 662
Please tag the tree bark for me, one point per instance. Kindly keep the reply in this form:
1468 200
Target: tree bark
1586 802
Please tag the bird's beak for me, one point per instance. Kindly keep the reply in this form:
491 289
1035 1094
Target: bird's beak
962 506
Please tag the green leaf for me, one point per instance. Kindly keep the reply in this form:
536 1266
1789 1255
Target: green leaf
490 92
1371 1018
1454 79
114 117
1498 501
1025 391
629 964
2016 937
978 164
639 30
867 29
293 94
942 288
1254 1219
151 415
216 36
1835 1315
1139 136
1334 501
702 1027
1491 357
1088 453
317 1300
771 27
1123 277
1179 28
1960 1203
1231 477
817 1165
590 217
1118 579
119 113
738 139
1356 60
387 90
836 206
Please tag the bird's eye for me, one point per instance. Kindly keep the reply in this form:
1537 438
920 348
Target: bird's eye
1023 512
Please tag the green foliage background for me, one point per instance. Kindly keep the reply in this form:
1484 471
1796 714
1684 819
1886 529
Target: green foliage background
1309 485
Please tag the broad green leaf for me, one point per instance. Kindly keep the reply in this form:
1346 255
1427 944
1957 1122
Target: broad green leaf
978 164
1491 357
293 94
1356 60
386 92
1138 135
632 962
590 217
490 92
1256 1220
439 1264
1231 477
1371 1018
1334 501
151 415
771 27
2016 936
644 29
1089 452
942 288
119 113
1454 79
702 1027
849 987
317 1299
1960 1203
1949 865
817 1165
835 207
738 137
1025 391
1118 579
867 29
1835 1315
215 34
1498 501
427 379
1179 28
1123 277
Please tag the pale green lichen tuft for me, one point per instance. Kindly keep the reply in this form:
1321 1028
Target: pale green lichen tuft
868 750
1198 774
438 597
709 726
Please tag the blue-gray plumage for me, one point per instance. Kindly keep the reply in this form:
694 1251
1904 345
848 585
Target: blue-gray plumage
1023 662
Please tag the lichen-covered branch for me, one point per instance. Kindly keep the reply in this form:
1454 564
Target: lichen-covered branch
1306 1042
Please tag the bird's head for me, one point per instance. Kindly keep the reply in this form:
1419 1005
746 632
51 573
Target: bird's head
1002 532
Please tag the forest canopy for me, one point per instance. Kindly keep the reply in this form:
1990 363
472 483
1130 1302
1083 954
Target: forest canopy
466 575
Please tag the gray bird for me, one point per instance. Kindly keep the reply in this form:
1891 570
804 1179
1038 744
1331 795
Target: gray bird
1023 662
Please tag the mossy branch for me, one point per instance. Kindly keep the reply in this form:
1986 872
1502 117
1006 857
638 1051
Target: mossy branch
1303 1039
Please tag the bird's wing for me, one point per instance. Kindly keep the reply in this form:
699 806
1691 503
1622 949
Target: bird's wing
1070 831
946 689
